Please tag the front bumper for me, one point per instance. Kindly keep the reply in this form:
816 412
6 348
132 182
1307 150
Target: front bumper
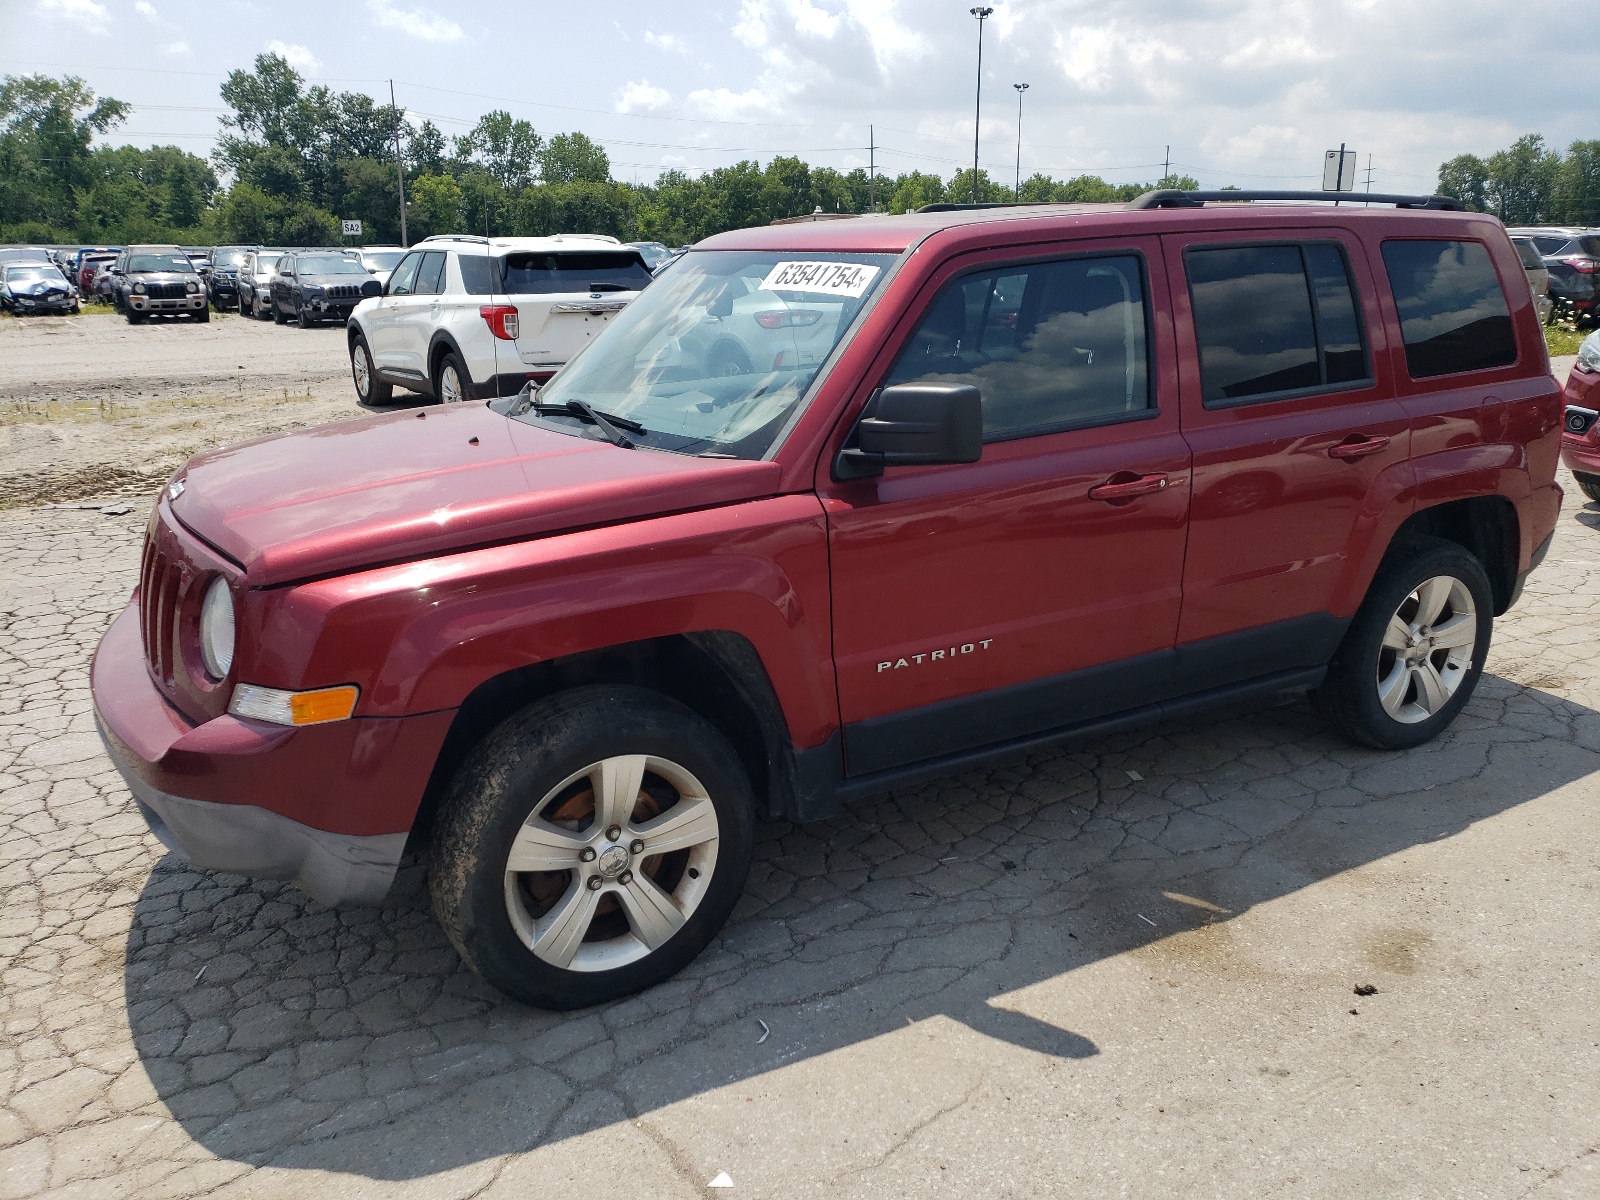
193 302
1581 455
332 308
328 807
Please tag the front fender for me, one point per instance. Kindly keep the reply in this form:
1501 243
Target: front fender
420 637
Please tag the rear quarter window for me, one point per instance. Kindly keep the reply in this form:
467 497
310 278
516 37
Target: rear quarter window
1453 311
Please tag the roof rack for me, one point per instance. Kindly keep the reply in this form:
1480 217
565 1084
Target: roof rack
456 237
1171 198
954 207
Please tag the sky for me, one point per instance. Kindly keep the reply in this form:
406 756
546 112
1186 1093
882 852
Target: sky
1247 92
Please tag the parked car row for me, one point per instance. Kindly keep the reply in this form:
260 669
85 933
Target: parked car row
1570 257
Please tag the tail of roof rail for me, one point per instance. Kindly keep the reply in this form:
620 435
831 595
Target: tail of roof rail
1172 198
457 237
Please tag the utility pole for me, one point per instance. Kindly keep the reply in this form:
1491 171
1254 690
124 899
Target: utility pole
1166 167
982 14
872 169
399 165
1017 189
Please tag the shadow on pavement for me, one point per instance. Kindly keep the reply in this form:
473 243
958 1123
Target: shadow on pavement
279 1031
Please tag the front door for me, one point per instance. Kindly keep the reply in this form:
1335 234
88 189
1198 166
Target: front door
1040 587
385 327
1298 441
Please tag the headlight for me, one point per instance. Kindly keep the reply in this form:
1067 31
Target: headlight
193 286
139 287
216 629
1589 353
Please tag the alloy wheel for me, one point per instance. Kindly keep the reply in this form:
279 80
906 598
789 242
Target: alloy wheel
450 391
1427 648
363 372
611 863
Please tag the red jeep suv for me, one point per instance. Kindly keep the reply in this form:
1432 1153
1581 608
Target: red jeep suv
833 508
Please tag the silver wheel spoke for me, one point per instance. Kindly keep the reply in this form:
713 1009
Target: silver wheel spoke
560 933
1392 687
1431 690
540 846
1397 636
1431 597
1458 631
689 822
651 913
616 783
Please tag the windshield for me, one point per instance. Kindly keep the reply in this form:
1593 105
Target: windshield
382 260
544 272
33 274
159 262
265 262
230 258
328 264
716 354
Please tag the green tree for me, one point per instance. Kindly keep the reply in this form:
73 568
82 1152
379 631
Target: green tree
913 190
46 130
574 158
959 190
370 196
434 206
1465 178
506 149
425 149
1522 181
580 207
1577 193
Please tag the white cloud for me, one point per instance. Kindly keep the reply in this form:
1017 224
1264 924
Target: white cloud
641 95
419 23
298 57
88 15
727 105
666 41
176 50
147 11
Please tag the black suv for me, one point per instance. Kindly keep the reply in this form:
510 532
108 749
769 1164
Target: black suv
150 281
319 285
225 263
1572 256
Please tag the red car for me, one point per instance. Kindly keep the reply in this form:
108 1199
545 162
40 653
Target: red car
1580 430
1061 471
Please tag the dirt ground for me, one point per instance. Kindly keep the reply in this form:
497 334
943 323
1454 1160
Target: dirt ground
91 406
1228 957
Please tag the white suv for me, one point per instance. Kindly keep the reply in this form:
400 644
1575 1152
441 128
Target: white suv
466 318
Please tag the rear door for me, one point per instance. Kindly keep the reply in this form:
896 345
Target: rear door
1039 587
1288 405
565 297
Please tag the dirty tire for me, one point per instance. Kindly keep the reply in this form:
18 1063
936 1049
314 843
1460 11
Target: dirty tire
512 770
203 316
369 388
134 318
1348 697
1589 485
305 321
452 368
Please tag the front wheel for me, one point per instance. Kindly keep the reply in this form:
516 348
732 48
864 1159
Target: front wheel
277 313
305 320
591 846
203 316
134 318
369 388
1589 485
1414 653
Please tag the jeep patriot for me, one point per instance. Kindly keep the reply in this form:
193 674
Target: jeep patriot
833 508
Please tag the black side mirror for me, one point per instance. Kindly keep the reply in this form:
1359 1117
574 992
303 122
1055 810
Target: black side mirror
371 287
915 424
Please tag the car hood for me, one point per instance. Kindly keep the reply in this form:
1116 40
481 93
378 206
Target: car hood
410 485
40 287
163 276
335 280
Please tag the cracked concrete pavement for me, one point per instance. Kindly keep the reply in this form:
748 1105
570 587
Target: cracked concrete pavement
1119 969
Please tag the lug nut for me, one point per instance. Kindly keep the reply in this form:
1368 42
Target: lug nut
596 883
614 832
636 846
586 854
625 878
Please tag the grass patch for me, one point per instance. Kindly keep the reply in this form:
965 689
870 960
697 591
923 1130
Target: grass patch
1563 338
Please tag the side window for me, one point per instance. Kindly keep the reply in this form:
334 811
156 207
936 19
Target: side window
1453 313
1274 319
477 273
404 275
1049 345
1549 245
430 276
286 268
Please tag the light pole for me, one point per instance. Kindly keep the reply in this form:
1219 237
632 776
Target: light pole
1017 193
982 14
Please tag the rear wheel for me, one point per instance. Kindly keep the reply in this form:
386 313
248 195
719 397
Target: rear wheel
1590 486
452 384
369 388
1414 653
591 846
728 359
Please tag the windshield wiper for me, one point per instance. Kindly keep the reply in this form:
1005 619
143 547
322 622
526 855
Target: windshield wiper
607 423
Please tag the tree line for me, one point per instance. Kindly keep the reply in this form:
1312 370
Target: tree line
300 158
1528 183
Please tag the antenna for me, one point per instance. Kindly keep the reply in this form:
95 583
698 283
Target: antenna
399 165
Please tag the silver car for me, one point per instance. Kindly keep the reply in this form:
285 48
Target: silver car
255 282
1538 276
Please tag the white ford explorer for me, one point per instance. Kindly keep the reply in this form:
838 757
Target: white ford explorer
465 318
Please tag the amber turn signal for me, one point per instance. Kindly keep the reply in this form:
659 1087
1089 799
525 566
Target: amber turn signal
294 708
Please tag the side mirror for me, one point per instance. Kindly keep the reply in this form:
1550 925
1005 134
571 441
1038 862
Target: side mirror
370 288
915 424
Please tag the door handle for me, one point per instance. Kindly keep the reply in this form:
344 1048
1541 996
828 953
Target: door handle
1128 489
1360 447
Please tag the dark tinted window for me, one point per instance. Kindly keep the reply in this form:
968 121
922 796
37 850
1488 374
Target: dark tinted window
1587 245
400 283
1529 256
1548 244
1049 345
1344 357
543 273
477 273
1252 318
430 276
1453 314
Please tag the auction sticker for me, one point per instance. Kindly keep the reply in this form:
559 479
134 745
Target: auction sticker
850 280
